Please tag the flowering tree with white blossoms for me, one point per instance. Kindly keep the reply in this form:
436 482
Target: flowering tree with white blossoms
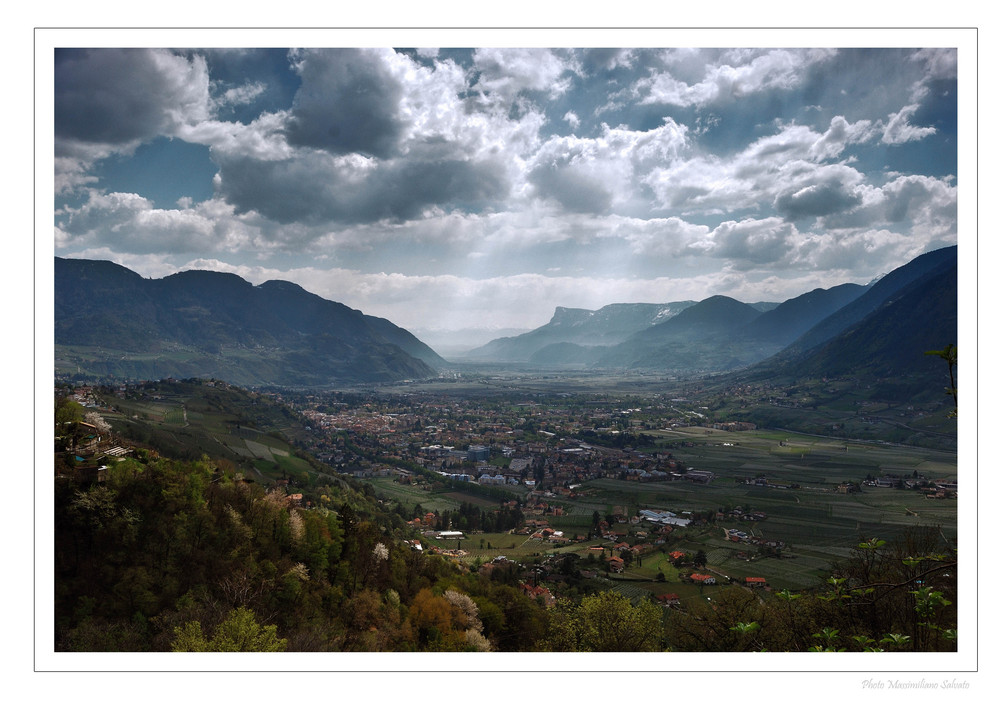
465 614
93 418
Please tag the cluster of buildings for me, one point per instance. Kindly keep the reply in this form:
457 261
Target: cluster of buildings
749 515
762 480
664 518
936 489
509 443
740 536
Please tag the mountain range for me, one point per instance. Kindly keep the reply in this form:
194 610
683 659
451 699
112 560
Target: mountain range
882 328
721 333
884 334
581 327
112 322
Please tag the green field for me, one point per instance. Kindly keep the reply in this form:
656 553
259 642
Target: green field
193 420
817 524
412 494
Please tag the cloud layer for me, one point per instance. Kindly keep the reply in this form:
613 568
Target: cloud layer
482 188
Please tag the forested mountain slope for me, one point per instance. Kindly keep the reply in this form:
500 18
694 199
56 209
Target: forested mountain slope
111 322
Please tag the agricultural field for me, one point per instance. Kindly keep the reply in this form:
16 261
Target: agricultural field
188 421
486 546
817 524
413 494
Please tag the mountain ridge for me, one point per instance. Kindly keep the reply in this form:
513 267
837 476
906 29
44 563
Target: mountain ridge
889 343
206 323
877 293
717 334
606 326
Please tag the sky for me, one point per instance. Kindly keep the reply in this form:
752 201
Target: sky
480 188
464 193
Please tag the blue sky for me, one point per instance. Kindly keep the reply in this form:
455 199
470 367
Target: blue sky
479 188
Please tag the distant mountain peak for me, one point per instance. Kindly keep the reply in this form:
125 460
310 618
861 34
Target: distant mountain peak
607 326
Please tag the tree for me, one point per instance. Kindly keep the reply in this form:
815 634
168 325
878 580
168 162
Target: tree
950 355
240 632
431 616
609 622
98 422
68 415
68 411
568 565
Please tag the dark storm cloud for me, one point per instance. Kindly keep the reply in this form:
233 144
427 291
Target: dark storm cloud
814 200
116 96
315 188
414 186
348 102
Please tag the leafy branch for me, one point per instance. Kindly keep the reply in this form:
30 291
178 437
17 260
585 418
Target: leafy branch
950 354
